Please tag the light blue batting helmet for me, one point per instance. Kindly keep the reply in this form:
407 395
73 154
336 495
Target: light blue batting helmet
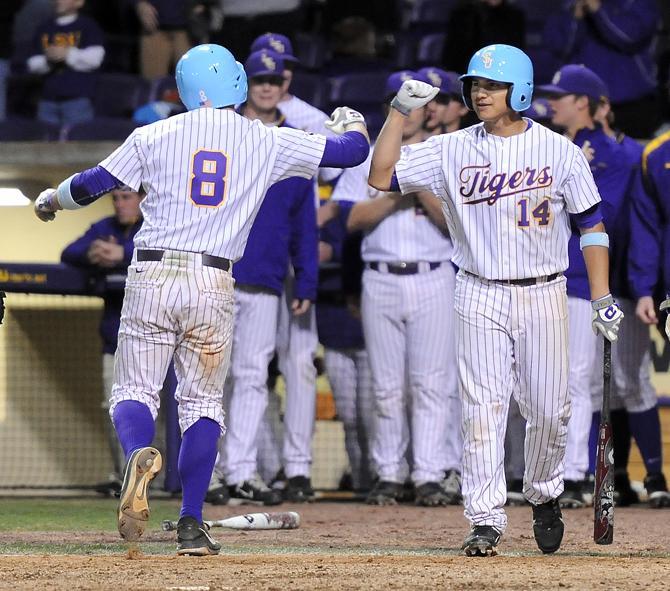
209 76
502 63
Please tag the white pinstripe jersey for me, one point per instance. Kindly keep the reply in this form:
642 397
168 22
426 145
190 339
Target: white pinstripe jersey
205 174
406 235
506 199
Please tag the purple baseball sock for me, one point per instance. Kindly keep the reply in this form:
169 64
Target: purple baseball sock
134 425
646 430
196 462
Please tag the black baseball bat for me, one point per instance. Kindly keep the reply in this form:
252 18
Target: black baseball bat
603 503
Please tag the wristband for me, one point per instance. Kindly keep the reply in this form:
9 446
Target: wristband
594 239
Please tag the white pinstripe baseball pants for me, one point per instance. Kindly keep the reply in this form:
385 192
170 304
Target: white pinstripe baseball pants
408 324
351 380
178 307
509 335
256 313
297 341
631 366
582 357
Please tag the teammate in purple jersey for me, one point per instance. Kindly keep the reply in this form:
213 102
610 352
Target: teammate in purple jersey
507 187
205 174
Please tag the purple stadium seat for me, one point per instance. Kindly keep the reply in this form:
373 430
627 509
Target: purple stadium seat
429 51
309 87
100 129
118 95
431 15
359 91
27 130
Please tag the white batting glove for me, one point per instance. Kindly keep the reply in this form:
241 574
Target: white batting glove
665 304
341 117
46 205
606 317
413 94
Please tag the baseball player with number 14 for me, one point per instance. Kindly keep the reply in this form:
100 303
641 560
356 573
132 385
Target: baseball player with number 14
507 186
205 174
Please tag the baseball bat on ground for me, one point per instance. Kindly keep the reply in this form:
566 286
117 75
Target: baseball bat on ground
285 520
603 500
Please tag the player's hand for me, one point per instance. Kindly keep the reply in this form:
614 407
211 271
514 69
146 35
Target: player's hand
325 252
606 317
46 205
341 117
299 307
413 94
646 311
105 253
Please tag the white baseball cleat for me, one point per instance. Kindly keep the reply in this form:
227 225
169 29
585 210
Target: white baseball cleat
143 465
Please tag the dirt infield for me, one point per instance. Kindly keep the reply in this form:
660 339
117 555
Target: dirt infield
351 546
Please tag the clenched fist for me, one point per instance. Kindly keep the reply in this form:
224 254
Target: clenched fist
413 94
46 205
341 117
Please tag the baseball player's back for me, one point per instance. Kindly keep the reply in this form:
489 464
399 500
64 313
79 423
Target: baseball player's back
188 163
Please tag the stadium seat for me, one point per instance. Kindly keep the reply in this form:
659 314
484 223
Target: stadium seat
27 130
100 129
429 50
359 91
118 95
431 15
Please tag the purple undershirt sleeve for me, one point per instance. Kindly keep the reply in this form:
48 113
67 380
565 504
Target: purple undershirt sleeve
91 184
588 218
346 150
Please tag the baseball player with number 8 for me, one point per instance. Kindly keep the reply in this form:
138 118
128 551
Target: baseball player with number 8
508 186
205 173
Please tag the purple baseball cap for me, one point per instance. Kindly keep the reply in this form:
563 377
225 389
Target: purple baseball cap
395 80
264 63
436 77
576 79
539 110
276 42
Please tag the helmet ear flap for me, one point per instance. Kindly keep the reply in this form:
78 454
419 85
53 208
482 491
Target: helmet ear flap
466 91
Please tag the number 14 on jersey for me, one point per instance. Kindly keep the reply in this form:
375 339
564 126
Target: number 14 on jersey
540 215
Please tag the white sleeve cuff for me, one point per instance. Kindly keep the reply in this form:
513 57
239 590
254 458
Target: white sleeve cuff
85 60
65 197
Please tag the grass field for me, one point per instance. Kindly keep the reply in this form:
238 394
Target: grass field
71 544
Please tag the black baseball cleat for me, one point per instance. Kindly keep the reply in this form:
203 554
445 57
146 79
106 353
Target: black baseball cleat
217 493
431 494
385 492
572 496
548 526
481 541
143 465
299 490
657 491
624 495
255 492
193 539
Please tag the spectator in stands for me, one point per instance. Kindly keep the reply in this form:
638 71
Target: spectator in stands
164 35
476 23
8 10
106 248
616 40
169 105
244 20
68 50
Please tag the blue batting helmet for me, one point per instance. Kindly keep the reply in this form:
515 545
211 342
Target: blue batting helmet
209 76
502 63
